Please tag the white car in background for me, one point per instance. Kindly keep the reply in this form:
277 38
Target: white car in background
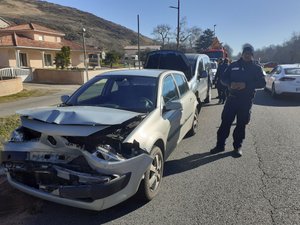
104 142
214 68
284 79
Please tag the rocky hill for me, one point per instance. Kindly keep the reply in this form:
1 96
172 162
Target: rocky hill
100 32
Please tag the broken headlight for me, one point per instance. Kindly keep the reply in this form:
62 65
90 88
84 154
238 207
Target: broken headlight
22 134
106 152
17 135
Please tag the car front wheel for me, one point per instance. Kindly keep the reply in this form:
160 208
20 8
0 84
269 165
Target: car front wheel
273 91
151 183
194 127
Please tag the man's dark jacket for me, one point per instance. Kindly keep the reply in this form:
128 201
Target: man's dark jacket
248 72
221 69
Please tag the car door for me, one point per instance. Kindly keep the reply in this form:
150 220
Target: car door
169 97
187 101
274 75
201 79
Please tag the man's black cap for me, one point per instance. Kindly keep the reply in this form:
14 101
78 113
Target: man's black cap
249 49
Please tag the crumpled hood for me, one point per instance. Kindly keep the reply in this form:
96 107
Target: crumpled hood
79 115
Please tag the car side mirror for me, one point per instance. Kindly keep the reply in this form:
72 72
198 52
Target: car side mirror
172 105
64 98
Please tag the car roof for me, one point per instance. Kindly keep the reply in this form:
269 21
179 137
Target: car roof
195 55
135 72
289 65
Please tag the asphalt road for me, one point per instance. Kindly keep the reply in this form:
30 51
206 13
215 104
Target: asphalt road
262 187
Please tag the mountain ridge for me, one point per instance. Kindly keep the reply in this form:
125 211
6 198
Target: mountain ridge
99 32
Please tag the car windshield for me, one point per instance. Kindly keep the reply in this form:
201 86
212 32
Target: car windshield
132 93
193 61
292 71
213 65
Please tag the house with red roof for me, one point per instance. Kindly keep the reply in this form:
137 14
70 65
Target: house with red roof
35 46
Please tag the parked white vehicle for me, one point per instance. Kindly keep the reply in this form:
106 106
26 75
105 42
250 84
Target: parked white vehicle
284 79
106 141
214 68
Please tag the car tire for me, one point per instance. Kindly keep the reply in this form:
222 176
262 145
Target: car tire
194 127
273 91
150 185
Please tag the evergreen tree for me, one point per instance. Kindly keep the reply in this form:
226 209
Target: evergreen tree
62 58
112 57
204 41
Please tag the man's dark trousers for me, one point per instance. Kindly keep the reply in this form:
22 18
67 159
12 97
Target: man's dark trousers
235 106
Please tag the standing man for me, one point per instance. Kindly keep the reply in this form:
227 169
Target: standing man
220 87
242 78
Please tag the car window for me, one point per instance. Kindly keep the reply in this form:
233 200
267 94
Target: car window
169 91
181 83
206 64
213 65
292 71
200 67
278 70
273 70
92 92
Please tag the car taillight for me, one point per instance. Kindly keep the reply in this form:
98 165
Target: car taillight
287 78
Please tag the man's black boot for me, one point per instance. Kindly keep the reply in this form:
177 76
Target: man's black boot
238 152
217 149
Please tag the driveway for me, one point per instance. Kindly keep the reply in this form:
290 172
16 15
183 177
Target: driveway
46 100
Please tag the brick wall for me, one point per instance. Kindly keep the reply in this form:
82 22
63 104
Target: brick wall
11 86
58 76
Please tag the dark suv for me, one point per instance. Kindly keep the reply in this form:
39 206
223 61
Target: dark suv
196 68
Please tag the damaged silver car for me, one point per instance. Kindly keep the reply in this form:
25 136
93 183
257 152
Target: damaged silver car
103 143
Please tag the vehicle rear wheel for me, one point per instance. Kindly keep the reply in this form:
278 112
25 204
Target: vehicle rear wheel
194 127
273 92
150 185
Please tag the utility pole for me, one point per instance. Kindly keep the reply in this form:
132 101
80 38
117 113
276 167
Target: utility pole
178 22
138 23
85 58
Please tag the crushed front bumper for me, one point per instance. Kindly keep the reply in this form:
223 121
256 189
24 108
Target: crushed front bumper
104 185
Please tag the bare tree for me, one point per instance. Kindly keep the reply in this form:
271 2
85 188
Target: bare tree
161 33
194 34
288 52
183 33
229 50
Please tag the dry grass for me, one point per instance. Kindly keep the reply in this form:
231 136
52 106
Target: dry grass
268 69
7 125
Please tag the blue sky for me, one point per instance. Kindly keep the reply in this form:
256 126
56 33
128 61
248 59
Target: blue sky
259 22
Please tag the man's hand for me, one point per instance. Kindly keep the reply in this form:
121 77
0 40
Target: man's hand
238 85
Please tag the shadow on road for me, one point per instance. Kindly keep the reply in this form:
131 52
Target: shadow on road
264 98
212 104
191 162
52 213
